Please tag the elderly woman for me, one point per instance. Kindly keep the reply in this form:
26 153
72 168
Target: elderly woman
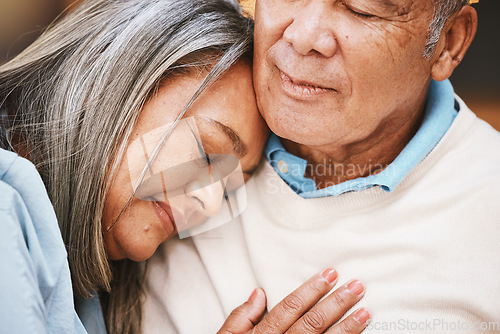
123 106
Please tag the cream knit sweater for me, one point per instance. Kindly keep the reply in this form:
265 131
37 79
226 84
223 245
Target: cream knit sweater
428 252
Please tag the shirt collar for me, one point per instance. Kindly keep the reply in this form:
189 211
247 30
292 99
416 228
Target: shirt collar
273 145
439 115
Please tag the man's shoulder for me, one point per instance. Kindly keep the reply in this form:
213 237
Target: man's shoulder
473 142
485 135
480 131
464 169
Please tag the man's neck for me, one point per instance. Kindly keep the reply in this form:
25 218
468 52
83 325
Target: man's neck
333 164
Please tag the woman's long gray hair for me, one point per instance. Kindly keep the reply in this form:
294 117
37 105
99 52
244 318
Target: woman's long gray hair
69 103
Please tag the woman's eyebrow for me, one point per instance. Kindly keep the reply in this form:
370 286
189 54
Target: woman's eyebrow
239 146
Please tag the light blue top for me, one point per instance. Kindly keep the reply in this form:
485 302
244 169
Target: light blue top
35 283
439 115
90 312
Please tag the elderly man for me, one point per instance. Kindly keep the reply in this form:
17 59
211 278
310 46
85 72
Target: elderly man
374 167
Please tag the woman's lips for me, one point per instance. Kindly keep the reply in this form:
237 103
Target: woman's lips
301 89
164 213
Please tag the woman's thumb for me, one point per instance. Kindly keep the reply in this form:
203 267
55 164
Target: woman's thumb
244 317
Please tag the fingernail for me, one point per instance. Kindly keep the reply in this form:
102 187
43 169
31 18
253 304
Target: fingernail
253 296
356 287
330 275
362 316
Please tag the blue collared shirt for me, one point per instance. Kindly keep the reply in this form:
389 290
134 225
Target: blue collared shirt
35 279
439 115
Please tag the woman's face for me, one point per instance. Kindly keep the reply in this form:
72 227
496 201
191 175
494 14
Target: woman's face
223 120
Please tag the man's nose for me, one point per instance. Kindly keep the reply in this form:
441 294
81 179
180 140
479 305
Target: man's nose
308 33
209 196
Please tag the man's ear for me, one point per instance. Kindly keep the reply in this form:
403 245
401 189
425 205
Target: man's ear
455 40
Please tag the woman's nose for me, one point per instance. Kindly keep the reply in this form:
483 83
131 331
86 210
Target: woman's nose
209 196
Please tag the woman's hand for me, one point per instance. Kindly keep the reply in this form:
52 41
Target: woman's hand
300 312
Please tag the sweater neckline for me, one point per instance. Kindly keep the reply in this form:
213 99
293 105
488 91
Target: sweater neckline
439 114
282 202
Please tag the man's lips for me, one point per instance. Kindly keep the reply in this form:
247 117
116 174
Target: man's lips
300 88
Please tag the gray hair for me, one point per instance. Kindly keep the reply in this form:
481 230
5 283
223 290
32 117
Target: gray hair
443 10
70 101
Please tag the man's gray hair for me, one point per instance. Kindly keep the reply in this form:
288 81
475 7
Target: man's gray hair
443 10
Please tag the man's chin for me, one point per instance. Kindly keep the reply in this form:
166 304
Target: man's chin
300 131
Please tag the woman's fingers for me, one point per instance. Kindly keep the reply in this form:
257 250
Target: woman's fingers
290 309
353 324
330 310
244 317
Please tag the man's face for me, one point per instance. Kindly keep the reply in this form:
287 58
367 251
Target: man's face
340 71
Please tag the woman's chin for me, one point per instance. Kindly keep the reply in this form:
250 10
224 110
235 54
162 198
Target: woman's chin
137 252
143 253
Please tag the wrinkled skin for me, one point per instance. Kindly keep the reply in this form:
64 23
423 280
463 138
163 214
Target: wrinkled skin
345 81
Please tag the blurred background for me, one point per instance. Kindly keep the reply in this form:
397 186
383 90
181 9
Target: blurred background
476 80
